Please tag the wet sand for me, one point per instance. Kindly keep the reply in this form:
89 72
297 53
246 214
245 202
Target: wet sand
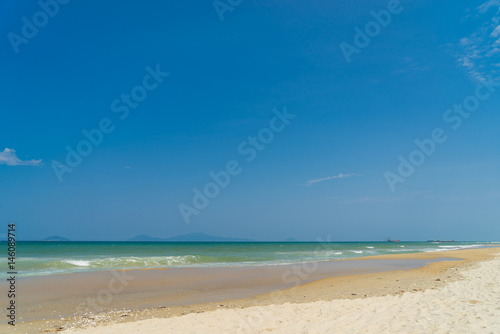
467 304
141 294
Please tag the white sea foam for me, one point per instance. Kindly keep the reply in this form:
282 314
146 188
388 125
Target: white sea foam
78 263
132 261
441 248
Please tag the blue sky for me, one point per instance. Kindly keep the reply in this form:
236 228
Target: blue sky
323 174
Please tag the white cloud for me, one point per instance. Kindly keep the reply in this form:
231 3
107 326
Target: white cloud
495 32
8 157
408 65
487 5
339 176
373 200
479 50
464 41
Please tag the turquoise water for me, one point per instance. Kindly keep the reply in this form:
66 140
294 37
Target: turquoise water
46 258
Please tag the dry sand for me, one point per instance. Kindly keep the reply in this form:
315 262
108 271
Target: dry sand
443 297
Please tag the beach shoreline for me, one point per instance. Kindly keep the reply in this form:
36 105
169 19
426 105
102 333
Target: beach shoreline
348 286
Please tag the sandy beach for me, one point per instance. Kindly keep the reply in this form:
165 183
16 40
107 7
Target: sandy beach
458 295
468 305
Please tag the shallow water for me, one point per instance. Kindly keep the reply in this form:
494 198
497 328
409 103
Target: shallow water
46 258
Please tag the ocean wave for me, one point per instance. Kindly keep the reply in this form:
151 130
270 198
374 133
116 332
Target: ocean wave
441 248
46 263
460 246
153 261
405 250
78 263
129 262
327 253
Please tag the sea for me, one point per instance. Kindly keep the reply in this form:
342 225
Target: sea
49 258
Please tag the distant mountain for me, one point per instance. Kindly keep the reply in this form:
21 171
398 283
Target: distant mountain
203 237
143 237
192 237
55 238
290 240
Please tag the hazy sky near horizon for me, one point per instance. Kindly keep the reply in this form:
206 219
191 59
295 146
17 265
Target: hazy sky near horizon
357 102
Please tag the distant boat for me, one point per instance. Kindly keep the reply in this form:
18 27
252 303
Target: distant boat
390 240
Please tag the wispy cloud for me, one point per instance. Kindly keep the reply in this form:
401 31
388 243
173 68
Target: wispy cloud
487 5
339 176
410 66
372 200
479 51
8 157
